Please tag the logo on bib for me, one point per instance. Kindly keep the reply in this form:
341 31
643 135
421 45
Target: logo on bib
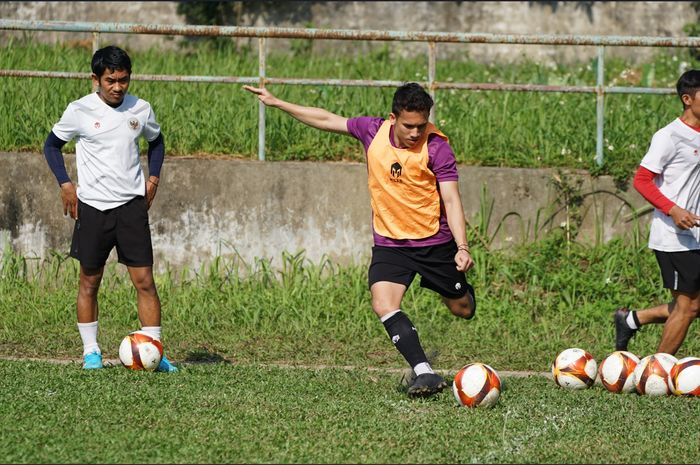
134 123
396 172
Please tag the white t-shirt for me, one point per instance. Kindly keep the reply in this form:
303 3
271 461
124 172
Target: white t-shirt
106 148
674 154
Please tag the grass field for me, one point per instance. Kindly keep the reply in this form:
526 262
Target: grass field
221 413
488 128
290 366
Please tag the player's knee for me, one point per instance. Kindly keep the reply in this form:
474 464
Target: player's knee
468 314
383 306
463 310
89 290
464 307
382 310
145 285
89 287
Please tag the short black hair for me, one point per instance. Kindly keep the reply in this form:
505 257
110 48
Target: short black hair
688 83
110 57
411 97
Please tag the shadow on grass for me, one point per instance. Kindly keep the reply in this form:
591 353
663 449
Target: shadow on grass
204 355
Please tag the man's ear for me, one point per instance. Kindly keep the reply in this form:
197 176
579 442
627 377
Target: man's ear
392 118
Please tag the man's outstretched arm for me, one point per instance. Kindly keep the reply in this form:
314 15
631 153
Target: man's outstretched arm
315 117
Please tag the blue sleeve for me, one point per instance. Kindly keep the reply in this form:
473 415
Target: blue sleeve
54 157
156 155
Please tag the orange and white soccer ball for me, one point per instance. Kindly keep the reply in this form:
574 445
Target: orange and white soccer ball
574 368
476 385
684 378
139 351
651 374
616 371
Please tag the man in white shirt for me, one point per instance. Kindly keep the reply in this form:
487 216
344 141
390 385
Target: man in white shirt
669 178
110 204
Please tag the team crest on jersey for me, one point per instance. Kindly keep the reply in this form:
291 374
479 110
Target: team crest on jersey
133 123
97 125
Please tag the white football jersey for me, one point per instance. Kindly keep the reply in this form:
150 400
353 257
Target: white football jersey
106 148
674 154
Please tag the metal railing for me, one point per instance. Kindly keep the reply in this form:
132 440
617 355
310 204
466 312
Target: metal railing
430 38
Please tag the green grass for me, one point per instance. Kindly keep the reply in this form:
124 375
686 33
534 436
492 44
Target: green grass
222 413
231 327
520 129
533 302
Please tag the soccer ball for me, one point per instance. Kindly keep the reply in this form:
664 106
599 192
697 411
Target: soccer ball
574 369
684 378
617 371
139 351
651 374
476 385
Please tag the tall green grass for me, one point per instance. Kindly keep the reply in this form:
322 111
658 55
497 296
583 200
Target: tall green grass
533 302
485 128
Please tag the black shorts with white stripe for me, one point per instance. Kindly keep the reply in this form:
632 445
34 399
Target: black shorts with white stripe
680 271
125 227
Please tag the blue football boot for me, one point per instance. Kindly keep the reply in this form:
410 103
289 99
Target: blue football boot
92 361
165 366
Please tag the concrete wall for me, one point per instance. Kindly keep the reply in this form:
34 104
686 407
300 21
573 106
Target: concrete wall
210 208
531 17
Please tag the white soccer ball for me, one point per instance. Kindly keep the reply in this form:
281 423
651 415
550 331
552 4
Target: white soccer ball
476 385
684 378
616 371
139 351
651 374
574 368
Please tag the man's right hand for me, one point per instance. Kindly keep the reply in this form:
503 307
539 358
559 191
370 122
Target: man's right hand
70 200
264 95
311 116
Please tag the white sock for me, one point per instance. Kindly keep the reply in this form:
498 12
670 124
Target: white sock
630 321
153 331
389 315
88 333
423 368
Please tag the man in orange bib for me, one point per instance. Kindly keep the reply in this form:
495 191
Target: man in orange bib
417 216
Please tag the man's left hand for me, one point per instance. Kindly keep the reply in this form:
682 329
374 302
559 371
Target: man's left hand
464 260
151 188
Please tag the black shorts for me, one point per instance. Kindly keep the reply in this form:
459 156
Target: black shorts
680 271
436 265
97 232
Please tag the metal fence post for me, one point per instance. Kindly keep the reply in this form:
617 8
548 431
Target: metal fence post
431 78
600 107
95 47
261 106
95 41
